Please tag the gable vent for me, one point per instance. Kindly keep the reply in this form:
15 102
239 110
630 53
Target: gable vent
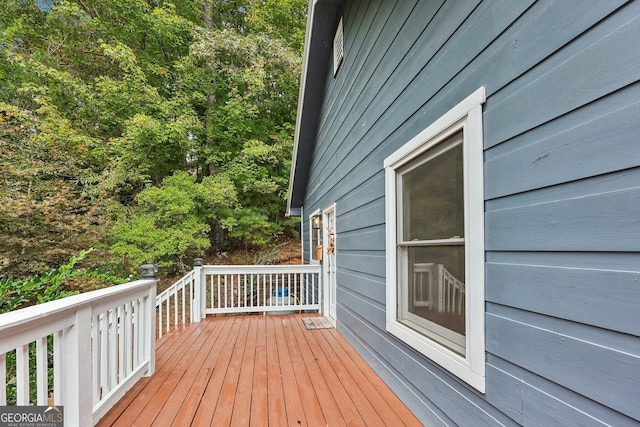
338 48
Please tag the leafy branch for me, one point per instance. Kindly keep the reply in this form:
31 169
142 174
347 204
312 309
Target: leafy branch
46 287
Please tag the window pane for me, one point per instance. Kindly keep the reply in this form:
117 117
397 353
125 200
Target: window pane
434 300
433 196
315 240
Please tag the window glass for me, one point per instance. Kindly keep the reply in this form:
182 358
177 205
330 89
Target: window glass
434 300
315 241
432 260
433 194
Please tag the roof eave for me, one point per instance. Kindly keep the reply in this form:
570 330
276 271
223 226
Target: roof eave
317 51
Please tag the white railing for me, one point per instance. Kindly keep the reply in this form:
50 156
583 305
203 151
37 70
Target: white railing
258 289
96 345
436 288
174 305
451 292
238 289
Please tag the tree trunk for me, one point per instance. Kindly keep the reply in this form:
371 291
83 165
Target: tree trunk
207 13
207 17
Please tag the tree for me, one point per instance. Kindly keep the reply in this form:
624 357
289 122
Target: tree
45 209
120 101
171 223
257 174
286 18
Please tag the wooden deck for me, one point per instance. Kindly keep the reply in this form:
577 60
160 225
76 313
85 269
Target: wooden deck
258 371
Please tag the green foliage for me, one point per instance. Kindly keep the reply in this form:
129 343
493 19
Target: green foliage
45 212
171 223
283 17
250 226
102 101
49 286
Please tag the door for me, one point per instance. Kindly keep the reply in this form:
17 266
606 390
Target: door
329 263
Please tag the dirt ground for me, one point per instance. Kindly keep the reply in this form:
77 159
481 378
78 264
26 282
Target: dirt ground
286 251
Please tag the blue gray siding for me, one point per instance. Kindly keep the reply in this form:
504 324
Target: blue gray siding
562 197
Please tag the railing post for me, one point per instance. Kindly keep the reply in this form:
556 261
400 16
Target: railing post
77 374
150 329
199 292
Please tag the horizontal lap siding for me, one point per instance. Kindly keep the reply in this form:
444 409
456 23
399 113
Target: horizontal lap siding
590 363
562 169
585 295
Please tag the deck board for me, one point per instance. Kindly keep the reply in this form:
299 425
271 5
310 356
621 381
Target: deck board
192 380
259 405
292 396
241 415
258 371
312 410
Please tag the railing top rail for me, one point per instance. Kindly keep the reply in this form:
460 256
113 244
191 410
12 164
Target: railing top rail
178 283
62 306
259 269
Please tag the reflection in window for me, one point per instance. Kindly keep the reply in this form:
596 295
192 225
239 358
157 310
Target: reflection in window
432 253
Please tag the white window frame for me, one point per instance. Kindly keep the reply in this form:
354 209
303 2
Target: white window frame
312 248
338 48
467 115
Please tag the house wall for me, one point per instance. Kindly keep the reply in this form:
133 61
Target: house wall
562 197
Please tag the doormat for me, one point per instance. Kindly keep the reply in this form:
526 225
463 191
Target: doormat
316 323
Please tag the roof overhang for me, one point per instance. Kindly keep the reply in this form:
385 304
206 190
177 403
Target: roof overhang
321 24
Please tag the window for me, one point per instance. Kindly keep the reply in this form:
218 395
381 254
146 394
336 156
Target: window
315 240
338 48
435 241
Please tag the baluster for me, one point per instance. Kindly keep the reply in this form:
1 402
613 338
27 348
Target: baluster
3 379
191 302
238 292
225 282
121 344
22 375
137 331
230 290
113 325
128 339
57 365
244 288
42 368
175 308
218 291
252 299
103 354
271 286
159 320
311 281
291 290
235 292
301 290
184 306
95 362
168 311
